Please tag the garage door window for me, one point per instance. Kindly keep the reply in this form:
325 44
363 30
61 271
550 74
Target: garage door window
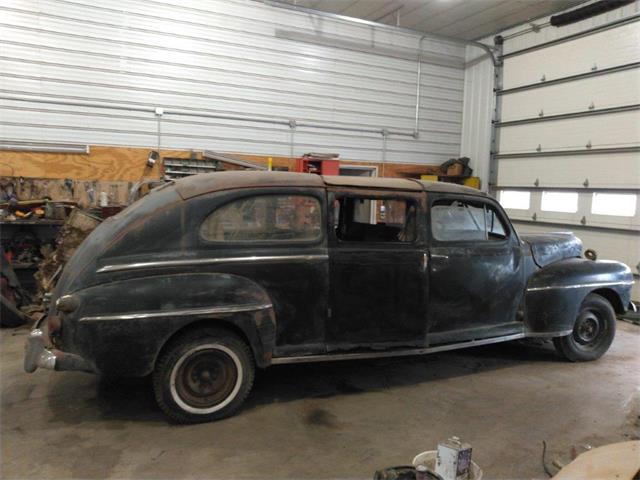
265 218
455 221
564 202
618 204
515 199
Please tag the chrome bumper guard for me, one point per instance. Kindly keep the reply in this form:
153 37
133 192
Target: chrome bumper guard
37 355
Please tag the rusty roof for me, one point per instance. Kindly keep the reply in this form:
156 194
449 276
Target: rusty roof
204 183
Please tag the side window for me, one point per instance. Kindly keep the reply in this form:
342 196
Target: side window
457 220
265 218
361 219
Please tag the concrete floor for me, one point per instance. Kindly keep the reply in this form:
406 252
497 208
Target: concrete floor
333 420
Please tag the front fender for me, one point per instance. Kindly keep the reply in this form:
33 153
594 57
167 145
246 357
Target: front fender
121 326
554 293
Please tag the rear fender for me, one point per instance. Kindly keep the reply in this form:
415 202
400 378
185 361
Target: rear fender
555 292
122 326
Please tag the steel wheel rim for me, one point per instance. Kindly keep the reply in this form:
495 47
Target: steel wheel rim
206 379
589 329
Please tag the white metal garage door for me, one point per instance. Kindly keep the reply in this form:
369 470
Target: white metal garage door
569 139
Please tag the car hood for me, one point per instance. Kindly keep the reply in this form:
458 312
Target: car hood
547 248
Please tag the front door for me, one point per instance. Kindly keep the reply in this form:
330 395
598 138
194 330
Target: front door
475 271
377 269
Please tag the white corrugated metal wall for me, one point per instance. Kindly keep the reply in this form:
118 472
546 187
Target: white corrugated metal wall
569 125
93 73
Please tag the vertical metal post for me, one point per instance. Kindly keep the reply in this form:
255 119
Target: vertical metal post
159 112
292 127
385 134
416 128
497 114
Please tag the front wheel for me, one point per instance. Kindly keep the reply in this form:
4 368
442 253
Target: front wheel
203 375
593 331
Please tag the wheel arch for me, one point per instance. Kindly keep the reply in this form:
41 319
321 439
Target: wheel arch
256 329
612 297
555 292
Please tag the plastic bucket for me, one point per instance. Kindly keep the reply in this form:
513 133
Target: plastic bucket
428 459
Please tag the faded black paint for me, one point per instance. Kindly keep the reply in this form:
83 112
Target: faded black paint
349 298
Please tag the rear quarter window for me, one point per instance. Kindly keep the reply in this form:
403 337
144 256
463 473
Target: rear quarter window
261 218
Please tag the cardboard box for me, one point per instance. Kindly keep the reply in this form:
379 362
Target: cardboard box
455 170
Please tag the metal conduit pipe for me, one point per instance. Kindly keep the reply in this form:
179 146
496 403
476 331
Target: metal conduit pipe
382 26
533 27
292 124
487 48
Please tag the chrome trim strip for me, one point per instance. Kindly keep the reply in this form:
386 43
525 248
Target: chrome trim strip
397 353
210 261
178 313
580 285
561 333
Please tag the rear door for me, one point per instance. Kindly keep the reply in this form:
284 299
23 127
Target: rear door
377 268
275 237
476 271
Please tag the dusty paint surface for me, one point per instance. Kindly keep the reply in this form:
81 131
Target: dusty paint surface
334 420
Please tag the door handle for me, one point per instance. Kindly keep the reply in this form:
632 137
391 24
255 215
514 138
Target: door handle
425 262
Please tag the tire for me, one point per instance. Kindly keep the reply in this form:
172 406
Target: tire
593 331
203 375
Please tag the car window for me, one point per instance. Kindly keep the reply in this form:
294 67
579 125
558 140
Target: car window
456 220
265 218
362 219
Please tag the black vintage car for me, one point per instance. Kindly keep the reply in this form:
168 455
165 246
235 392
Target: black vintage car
208 277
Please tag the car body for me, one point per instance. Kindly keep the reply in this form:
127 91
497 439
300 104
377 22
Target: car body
292 267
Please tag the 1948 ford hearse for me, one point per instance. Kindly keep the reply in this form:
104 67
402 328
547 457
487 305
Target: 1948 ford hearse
211 276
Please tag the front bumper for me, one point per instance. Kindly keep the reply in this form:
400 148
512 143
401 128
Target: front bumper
38 355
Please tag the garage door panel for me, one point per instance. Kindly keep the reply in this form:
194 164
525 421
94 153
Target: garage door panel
575 57
604 91
620 246
610 130
604 170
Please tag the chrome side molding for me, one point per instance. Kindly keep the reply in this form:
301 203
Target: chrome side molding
179 313
579 285
210 261
394 353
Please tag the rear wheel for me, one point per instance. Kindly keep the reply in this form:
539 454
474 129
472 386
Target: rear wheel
203 375
593 331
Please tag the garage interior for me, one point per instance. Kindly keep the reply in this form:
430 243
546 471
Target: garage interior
535 102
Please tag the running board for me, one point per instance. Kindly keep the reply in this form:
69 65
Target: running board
330 357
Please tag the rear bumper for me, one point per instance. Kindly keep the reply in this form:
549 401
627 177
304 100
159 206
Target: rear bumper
37 355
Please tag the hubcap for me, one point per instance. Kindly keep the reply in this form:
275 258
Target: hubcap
587 328
206 378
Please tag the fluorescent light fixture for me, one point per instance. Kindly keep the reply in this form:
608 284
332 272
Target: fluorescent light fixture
44 147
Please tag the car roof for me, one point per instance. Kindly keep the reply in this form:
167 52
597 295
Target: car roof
204 183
